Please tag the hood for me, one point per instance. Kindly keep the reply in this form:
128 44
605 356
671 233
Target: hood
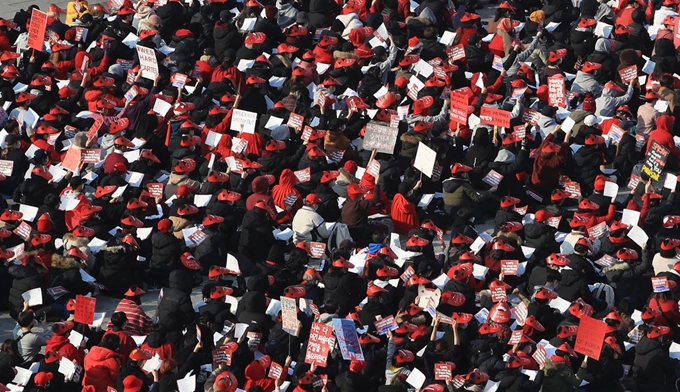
156 339
63 262
72 240
481 137
428 15
646 346
536 229
93 95
176 179
287 179
410 139
602 45
21 272
254 371
180 280
505 156
618 267
113 249
664 123
99 354
260 185
570 277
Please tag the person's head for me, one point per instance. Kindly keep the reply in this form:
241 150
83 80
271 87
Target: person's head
26 319
119 319
168 366
112 342
12 126
330 306
9 346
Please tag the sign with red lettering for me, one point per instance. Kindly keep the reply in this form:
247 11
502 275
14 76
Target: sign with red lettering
556 91
660 284
629 73
85 307
36 32
348 341
289 314
590 337
540 356
494 116
320 341
380 137
303 175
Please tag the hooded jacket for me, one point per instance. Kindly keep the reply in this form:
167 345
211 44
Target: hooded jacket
101 368
255 376
608 102
285 187
63 345
652 365
260 188
256 234
175 309
120 269
558 377
663 135
586 83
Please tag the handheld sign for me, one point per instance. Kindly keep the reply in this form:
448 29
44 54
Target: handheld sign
458 108
590 337
148 63
380 138
289 314
319 344
36 34
556 91
657 155
493 116
243 121
85 307
425 159
348 341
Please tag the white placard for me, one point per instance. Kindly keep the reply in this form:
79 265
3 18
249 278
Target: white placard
611 189
147 61
33 297
425 159
243 121
630 217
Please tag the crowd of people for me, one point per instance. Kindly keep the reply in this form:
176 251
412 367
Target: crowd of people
379 196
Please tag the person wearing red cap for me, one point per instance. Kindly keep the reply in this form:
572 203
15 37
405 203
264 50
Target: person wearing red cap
549 162
138 323
121 267
663 134
307 224
459 193
138 108
609 101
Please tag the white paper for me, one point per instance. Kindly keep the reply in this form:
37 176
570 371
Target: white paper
76 338
552 26
68 203
144 233
560 303
240 329
161 107
66 367
232 263
648 68
611 189
131 40
152 364
33 297
22 376
416 378
425 159
188 383
134 178
423 68
283 235
602 30
119 191
630 217
139 339
661 106
447 38
29 212
96 244
671 181
674 350
568 124
638 236
202 200
479 271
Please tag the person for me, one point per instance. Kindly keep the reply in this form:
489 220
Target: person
29 343
103 364
307 225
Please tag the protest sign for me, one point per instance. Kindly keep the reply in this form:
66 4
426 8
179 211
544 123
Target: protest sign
493 178
509 267
85 307
6 167
657 155
380 138
36 33
425 159
148 64
629 73
243 121
319 344
91 155
660 284
590 337
443 371
348 341
493 116
289 314
458 108
556 91
295 121
385 325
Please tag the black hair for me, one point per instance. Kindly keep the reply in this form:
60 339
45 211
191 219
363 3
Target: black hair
330 306
111 341
24 319
118 319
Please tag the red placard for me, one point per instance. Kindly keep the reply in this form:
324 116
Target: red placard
155 189
295 121
515 337
531 116
36 34
540 356
91 155
222 356
494 116
509 267
456 52
443 371
72 159
275 370
498 294
320 341
458 108
556 91
85 307
23 230
629 73
94 129
590 337
317 249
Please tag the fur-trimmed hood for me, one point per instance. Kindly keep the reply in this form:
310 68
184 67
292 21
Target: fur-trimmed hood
617 267
344 55
72 240
411 139
113 249
64 262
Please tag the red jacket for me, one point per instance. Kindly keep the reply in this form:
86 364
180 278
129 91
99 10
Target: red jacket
102 367
165 351
255 376
546 173
127 344
663 135
61 343
112 159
